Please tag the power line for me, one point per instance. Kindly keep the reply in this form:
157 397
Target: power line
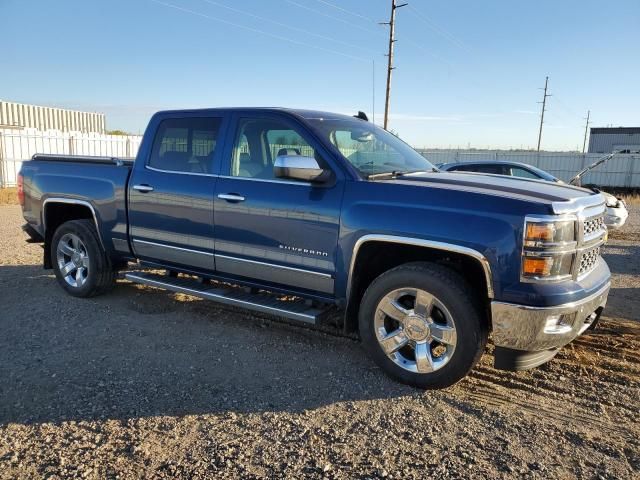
262 32
439 30
430 23
428 52
346 11
566 107
544 104
442 31
290 27
337 19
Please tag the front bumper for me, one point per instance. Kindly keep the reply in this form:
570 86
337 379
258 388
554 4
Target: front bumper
543 330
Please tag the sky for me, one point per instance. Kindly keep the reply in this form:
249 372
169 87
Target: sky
468 73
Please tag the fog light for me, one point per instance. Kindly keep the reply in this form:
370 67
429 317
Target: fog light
558 324
556 267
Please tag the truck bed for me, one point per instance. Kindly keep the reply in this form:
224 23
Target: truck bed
97 183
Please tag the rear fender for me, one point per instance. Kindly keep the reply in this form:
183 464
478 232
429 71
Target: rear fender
50 222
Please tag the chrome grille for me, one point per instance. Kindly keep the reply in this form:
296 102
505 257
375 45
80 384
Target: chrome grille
593 226
588 261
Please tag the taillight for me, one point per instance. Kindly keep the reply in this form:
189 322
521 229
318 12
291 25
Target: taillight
20 190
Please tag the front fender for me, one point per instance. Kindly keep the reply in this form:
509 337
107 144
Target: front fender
487 228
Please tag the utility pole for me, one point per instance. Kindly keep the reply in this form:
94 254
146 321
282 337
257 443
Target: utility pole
586 129
390 67
544 105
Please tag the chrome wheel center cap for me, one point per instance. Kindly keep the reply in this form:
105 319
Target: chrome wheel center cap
76 259
416 328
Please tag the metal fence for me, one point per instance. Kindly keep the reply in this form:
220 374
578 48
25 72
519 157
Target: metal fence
19 145
623 170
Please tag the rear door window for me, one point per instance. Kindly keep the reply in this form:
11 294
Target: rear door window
185 145
523 173
493 169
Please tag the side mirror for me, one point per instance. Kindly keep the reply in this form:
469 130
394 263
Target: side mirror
298 167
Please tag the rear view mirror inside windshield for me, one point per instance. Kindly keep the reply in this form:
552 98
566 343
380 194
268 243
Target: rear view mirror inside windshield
361 135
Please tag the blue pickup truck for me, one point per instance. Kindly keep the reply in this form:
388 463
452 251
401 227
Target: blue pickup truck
300 213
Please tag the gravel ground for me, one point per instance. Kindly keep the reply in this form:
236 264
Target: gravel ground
143 383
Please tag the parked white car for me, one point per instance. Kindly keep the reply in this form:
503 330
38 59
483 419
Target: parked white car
616 214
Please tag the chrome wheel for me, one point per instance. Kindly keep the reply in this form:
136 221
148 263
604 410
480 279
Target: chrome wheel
73 260
415 330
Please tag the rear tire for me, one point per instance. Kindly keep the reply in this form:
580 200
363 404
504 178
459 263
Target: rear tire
80 264
420 324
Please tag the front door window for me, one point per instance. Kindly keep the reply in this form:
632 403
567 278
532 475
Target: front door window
259 142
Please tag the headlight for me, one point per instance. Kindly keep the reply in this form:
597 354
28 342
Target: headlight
543 234
548 249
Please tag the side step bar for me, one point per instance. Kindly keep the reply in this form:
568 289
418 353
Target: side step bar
258 302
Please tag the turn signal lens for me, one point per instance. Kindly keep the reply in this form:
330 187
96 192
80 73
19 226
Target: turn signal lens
537 267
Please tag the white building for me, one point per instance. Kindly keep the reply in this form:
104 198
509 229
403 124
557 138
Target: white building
20 115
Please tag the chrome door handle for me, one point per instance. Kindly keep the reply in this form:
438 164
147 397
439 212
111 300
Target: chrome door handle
143 188
231 197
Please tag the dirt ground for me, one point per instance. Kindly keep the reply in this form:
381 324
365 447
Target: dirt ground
143 383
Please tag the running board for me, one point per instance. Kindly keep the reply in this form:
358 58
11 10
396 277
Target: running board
259 302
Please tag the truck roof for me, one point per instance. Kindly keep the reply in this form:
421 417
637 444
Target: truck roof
299 112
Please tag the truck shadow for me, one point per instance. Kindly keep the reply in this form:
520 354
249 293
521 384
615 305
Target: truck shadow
140 352
623 259
623 303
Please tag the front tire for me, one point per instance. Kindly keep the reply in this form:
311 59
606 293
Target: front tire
421 325
80 264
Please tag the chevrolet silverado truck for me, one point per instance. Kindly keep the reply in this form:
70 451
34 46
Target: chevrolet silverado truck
294 213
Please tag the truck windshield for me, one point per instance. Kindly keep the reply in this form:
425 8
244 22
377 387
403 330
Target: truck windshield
371 149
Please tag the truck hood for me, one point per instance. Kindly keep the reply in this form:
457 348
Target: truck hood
536 191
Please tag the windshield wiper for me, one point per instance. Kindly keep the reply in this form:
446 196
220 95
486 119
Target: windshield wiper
397 173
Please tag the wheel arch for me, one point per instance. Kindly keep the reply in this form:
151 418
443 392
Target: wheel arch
58 210
366 264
